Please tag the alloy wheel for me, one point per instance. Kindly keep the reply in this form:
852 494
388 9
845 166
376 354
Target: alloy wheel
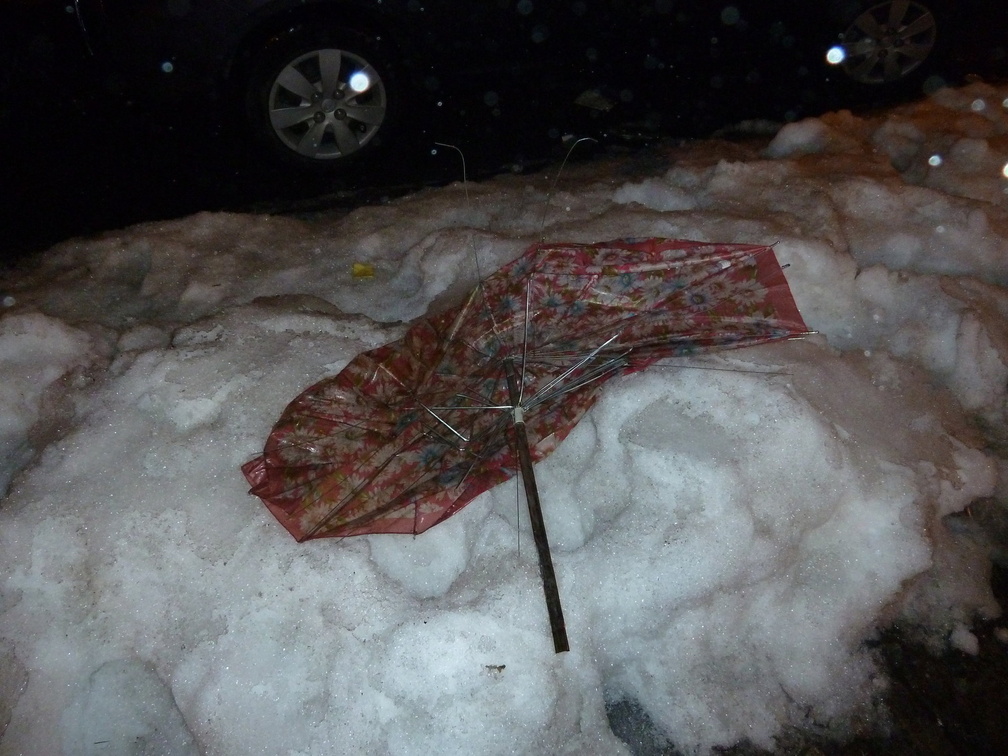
327 104
888 41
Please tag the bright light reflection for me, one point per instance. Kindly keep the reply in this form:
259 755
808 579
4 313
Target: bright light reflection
835 55
1004 171
934 161
360 81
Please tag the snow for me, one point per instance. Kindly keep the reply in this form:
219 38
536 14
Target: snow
727 531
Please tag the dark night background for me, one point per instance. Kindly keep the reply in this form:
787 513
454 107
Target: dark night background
81 151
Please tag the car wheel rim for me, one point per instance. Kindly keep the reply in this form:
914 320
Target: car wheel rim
327 104
888 41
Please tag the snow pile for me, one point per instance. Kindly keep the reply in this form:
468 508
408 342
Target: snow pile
38 356
726 531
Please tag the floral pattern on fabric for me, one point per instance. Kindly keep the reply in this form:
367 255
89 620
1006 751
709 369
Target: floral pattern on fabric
409 433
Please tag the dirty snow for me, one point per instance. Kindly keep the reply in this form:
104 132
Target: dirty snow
727 532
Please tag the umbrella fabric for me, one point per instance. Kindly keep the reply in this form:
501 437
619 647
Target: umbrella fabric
407 434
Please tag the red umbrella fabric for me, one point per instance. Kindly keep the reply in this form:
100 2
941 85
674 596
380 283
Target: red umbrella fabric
409 433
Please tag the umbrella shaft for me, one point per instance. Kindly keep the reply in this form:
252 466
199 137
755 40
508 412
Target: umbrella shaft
557 625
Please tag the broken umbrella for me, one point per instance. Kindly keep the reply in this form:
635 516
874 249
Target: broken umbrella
409 433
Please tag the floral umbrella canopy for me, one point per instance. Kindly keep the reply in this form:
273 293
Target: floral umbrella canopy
409 433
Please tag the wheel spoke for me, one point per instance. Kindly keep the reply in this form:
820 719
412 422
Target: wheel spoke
897 12
330 62
294 81
917 53
861 48
920 25
869 26
862 71
309 143
893 68
369 114
284 118
346 139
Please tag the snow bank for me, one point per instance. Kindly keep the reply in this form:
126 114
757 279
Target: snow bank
727 532
40 359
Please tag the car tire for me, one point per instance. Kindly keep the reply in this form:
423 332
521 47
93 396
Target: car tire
320 100
892 44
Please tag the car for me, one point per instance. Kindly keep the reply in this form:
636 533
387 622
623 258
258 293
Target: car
320 84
